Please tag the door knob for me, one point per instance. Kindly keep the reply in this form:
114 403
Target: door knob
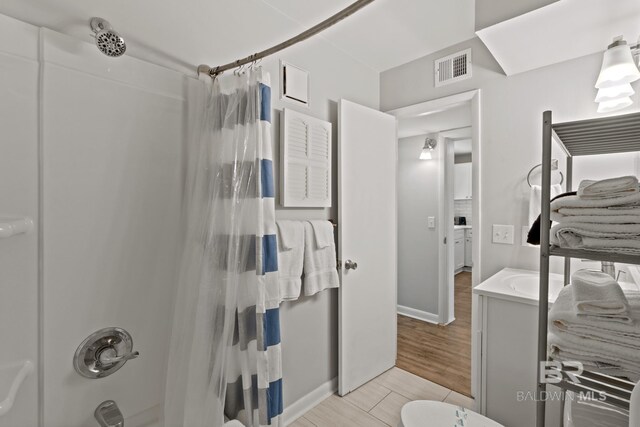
350 265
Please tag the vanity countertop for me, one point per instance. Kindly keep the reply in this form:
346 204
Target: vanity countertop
461 227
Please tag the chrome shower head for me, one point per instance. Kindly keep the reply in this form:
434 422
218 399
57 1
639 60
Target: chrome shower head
108 41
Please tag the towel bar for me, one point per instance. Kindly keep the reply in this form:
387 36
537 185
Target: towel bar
24 372
11 226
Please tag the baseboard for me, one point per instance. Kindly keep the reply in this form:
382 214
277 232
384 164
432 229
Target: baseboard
305 403
418 314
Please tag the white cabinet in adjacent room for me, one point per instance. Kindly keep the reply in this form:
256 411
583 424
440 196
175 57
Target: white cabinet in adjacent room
458 249
468 248
462 181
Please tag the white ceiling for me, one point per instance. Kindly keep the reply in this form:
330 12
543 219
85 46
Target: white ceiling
183 34
561 31
458 117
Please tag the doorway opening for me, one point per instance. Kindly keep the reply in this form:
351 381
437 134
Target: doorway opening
438 239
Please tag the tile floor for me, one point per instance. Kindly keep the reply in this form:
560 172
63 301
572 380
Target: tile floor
378 402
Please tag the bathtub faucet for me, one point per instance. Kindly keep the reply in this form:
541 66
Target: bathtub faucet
108 414
609 268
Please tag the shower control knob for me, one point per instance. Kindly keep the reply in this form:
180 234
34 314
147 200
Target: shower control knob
103 353
350 265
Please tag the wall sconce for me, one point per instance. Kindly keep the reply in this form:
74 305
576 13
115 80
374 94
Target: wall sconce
429 146
618 71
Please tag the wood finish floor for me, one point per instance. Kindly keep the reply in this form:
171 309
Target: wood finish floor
378 402
441 354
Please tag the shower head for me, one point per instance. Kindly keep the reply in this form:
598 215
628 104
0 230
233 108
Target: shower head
108 41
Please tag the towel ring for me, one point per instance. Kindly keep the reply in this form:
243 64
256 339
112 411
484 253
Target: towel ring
554 167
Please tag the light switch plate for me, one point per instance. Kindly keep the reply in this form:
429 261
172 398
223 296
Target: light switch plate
502 234
431 222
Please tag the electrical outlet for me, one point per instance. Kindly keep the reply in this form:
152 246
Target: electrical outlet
503 234
525 235
431 222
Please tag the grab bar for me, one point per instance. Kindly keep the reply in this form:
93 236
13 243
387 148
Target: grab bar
24 372
10 226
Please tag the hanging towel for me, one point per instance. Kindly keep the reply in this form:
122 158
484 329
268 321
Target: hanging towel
320 270
535 200
533 237
608 188
597 294
323 232
290 258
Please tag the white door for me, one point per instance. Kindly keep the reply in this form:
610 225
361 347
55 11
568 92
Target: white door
367 158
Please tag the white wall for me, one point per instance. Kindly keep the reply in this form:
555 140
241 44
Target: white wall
309 326
418 260
511 127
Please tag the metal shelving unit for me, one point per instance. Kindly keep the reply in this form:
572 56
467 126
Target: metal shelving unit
617 134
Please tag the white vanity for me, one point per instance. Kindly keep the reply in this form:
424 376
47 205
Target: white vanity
508 313
508 338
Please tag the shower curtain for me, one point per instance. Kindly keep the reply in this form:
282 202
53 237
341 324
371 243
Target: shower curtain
224 360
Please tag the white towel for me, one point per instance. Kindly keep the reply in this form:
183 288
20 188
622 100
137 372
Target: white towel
564 318
624 238
290 258
320 270
605 360
597 294
535 200
608 188
609 347
579 202
323 232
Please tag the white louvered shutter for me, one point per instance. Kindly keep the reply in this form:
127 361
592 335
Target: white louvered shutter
305 179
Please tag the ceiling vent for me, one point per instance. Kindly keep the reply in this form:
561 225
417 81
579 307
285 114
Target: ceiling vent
453 68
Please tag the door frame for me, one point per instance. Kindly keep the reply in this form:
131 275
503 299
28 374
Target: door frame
443 103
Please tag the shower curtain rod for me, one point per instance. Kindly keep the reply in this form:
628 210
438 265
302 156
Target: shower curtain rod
349 10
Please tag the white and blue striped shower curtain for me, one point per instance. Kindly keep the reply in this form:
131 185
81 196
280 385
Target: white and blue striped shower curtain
225 358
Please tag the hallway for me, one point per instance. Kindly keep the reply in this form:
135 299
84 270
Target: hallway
441 354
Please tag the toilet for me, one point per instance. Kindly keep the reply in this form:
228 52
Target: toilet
431 413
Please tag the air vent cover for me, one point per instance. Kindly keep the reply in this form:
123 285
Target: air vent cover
453 68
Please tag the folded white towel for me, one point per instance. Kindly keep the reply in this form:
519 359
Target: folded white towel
597 294
320 270
579 202
564 318
597 236
598 358
290 258
608 188
598 214
323 232
535 200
